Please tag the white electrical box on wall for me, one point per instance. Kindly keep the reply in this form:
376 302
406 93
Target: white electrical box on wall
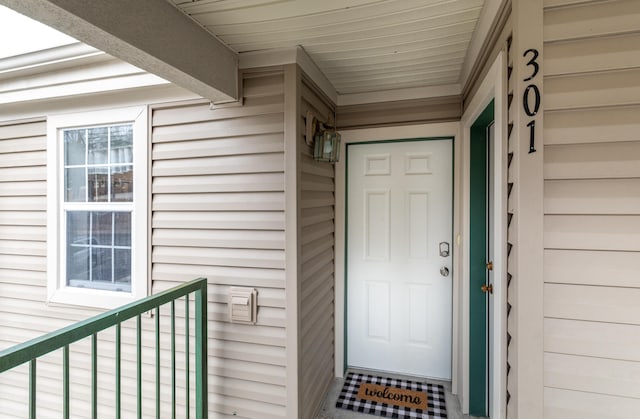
243 305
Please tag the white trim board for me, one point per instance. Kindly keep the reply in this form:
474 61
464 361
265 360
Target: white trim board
493 87
58 292
448 129
485 24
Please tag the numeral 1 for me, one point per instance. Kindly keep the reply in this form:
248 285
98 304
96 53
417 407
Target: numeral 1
532 136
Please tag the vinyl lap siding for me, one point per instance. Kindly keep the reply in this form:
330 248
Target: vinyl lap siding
24 313
418 111
218 212
592 209
23 244
317 261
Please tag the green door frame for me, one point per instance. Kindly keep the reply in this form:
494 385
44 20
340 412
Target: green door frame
478 277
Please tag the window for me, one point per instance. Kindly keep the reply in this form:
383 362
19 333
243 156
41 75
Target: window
97 172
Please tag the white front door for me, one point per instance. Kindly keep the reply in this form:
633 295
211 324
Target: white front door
399 210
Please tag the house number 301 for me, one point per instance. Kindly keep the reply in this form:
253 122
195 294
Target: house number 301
531 96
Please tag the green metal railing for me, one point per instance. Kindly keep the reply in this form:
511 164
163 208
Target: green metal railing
30 351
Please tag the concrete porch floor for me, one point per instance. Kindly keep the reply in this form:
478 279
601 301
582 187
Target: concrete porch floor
330 411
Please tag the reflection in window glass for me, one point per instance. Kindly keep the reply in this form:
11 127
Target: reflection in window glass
98 164
122 183
75 189
98 141
98 170
74 147
102 228
121 144
94 258
122 236
101 264
97 181
122 267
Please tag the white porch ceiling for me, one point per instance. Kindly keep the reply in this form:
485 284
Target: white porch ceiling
359 45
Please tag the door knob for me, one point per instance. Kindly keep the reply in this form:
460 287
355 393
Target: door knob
487 288
490 266
444 271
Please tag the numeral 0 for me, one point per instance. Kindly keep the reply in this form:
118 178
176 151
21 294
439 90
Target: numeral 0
526 100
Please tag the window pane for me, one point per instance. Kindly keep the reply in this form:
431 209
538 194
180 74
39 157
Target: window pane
98 145
78 227
98 182
123 229
123 269
122 183
121 144
77 264
74 185
101 264
98 167
74 147
78 247
101 228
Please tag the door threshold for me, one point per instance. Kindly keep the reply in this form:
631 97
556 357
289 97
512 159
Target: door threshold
399 375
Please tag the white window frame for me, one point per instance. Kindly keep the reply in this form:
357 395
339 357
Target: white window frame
57 289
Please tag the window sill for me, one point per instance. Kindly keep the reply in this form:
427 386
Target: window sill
91 298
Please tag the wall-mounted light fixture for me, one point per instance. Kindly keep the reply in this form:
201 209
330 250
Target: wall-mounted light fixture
323 138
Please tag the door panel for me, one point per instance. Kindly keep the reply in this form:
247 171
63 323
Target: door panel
398 303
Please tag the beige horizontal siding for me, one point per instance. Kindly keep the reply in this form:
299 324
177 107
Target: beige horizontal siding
244 182
599 125
592 232
252 106
316 184
592 215
593 375
30 132
609 88
591 338
250 220
593 161
218 212
397 113
592 267
588 196
23 233
590 19
592 303
226 128
592 55
567 404
229 239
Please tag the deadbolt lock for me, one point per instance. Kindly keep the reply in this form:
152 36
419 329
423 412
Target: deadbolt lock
487 288
490 266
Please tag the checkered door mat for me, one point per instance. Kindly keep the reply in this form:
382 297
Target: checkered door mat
348 398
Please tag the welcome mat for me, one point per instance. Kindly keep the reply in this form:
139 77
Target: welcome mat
392 398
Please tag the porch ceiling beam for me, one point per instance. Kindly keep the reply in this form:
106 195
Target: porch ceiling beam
150 34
